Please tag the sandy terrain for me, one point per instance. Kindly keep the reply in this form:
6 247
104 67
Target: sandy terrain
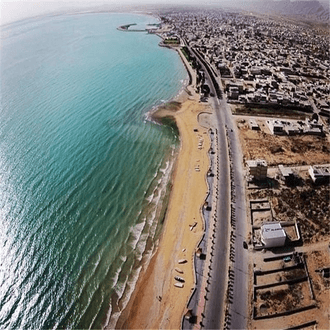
275 149
305 203
317 257
156 302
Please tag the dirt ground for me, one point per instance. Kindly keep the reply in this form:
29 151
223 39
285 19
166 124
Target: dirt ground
286 150
305 203
288 297
308 205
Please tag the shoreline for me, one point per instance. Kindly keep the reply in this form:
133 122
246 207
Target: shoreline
155 301
186 92
155 298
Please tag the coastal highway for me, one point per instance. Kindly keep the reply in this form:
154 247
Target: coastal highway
238 309
215 304
231 196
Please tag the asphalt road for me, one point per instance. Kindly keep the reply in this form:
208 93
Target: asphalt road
215 303
231 194
239 307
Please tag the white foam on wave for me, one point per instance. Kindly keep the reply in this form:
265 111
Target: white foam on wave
111 324
150 198
117 273
123 258
120 288
108 319
157 200
141 246
163 170
131 283
112 319
142 232
136 232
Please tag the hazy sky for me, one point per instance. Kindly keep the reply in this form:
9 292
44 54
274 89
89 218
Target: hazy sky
17 9
12 10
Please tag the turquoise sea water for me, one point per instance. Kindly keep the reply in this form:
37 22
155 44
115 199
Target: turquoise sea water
82 174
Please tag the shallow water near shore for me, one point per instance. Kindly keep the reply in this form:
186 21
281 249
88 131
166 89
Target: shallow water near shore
82 174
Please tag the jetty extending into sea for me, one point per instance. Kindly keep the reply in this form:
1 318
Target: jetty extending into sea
126 28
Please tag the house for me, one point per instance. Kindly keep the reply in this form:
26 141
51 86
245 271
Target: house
314 123
292 128
287 174
325 112
255 70
233 93
275 126
253 124
272 235
319 174
257 168
273 97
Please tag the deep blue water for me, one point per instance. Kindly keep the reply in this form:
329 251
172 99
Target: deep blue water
82 174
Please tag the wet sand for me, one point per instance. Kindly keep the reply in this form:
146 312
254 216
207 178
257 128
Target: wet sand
156 303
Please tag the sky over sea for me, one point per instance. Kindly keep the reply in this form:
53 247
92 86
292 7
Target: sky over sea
18 9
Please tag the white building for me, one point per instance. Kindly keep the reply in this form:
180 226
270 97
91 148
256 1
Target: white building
253 124
319 174
257 168
272 235
285 171
275 126
313 127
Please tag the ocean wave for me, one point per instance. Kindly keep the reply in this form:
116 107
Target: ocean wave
130 286
141 246
82 177
136 233
112 318
144 233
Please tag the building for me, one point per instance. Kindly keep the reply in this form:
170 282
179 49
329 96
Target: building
319 174
313 126
272 235
325 112
233 93
287 174
275 126
292 128
257 168
253 124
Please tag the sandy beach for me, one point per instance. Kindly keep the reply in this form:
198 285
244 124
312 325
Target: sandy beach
156 302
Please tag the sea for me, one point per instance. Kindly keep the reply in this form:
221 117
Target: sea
84 176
